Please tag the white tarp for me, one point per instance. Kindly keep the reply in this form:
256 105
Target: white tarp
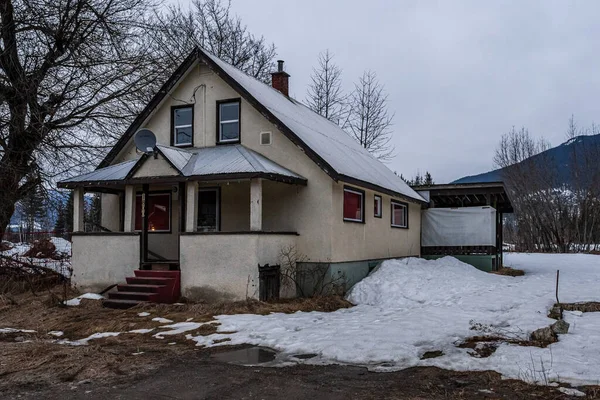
465 226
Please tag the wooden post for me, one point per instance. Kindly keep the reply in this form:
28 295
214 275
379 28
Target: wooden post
129 215
78 210
145 212
256 204
191 206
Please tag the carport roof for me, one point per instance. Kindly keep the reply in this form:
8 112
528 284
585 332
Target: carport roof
467 195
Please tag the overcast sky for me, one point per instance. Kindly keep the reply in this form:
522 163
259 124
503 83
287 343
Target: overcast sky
459 74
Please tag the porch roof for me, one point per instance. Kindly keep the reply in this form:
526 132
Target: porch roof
206 163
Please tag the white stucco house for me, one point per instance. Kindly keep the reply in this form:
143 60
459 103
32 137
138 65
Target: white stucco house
240 172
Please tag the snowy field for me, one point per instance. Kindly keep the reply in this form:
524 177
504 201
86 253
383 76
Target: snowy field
412 306
63 247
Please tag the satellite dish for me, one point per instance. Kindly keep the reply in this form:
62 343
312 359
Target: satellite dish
145 140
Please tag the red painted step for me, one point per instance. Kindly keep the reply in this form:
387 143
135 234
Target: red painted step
139 288
146 286
137 296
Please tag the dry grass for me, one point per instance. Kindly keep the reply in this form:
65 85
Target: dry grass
508 271
34 358
590 306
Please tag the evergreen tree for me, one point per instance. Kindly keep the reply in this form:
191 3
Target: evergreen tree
59 226
93 213
428 180
68 213
33 209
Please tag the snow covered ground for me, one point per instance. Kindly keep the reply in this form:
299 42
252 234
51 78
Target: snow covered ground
63 247
412 306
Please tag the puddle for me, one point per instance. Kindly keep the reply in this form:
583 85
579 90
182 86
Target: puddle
249 356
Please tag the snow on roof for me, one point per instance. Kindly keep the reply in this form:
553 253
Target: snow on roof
328 140
203 161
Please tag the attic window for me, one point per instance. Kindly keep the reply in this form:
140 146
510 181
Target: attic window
229 121
183 125
265 138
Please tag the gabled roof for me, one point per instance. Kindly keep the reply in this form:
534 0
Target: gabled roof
206 163
330 147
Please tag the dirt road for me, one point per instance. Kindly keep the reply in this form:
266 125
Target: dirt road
202 378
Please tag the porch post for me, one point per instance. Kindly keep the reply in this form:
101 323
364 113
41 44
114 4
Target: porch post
256 204
191 206
78 207
129 217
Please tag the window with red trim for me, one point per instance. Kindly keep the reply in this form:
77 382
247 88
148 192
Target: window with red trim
353 205
158 208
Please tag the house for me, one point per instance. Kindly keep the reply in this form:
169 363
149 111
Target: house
241 172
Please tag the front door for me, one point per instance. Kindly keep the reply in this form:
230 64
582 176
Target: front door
209 210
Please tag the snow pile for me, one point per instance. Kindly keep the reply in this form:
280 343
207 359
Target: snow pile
413 281
411 306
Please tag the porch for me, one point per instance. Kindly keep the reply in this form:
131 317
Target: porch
214 228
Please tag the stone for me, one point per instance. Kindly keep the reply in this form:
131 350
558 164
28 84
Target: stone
560 327
544 335
19 339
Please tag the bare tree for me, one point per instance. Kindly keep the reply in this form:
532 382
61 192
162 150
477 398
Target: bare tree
70 71
211 25
555 199
369 120
324 94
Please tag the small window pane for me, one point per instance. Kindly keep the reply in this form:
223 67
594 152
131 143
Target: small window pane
377 206
183 116
158 208
399 217
183 135
230 111
353 206
230 131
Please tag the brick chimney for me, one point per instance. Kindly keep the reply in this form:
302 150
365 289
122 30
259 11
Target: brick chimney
279 79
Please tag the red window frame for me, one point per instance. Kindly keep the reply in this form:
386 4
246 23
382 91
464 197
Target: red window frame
354 205
159 220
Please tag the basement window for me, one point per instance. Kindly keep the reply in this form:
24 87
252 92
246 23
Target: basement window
183 125
399 214
377 203
354 205
158 207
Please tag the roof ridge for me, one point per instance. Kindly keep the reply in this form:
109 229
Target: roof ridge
250 157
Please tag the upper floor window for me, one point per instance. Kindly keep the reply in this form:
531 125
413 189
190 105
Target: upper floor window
354 205
183 125
399 214
229 121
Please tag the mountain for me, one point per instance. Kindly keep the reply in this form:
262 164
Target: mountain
561 158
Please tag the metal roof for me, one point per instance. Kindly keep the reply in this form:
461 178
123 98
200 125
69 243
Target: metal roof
330 147
221 161
112 173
